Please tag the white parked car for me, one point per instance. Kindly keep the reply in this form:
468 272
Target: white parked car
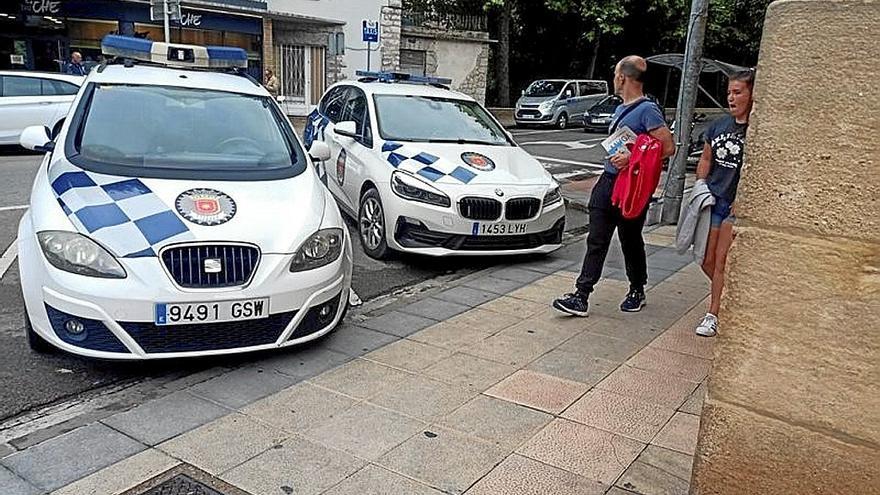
428 170
176 214
34 98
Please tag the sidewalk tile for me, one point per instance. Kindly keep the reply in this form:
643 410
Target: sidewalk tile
523 476
469 371
648 386
690 277
537 390
662 310
5 450
409 355
499 286
121 476
550 264
538 294
694 404
452 335
466 295
556 283
435 309
240 387
158 420
620 491
299 407
397 323
443 459
583 450
517 274
503 423
602 346
223 444
659 240
573 365
658 471
618 414
681 336
669 259
356 341
671 363
365 431
10 484
307 362
296 466
488 321
360 378
510 305
634 327
685 292
374 480
509 349
71 456
680 433
421 397
544 329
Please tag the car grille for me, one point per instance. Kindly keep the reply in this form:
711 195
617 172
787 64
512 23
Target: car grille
530 113
480 208
522 208
186 264
418 236
156 339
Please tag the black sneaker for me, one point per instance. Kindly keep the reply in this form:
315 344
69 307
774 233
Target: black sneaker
574 304
634 301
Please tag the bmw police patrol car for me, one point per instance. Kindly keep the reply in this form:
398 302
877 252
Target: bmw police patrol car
428 170
176 214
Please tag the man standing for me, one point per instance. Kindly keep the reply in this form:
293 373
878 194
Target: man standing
75 67
272 85
641 116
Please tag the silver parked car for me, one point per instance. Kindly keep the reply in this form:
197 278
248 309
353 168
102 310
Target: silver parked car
558 102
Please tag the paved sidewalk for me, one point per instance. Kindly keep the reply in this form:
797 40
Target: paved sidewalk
478 389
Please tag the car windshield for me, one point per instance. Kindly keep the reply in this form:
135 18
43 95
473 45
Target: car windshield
436 120
607 105
545 88
162 131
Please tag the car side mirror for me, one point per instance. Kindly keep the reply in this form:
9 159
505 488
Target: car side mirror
37 138
319 151
347 129
522 93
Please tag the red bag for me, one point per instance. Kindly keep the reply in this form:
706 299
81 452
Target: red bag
637 182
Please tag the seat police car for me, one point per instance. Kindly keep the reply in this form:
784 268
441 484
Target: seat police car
176 214
428 170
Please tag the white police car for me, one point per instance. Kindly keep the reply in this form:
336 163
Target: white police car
176 215
428 170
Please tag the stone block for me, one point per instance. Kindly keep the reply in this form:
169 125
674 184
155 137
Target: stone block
158 420
365 431
469 371
356 341
242 386
397 323
373 480
299 407
658 471
408 355
10 484
573 365
466 295
119 477
361 379
421 397
522 476
537 390
625 416
496 421
435 309
679 434
492 284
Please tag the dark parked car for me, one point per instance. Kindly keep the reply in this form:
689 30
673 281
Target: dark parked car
598 117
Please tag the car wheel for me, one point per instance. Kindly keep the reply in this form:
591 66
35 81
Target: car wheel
562 121
371 225
35 342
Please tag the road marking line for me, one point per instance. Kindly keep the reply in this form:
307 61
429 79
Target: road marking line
574 173
8 257
10 208
570 162
529 133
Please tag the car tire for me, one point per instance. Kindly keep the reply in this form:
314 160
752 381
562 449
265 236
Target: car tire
562 121
371 225
35 342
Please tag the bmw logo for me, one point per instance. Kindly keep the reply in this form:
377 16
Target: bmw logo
499 193
205 206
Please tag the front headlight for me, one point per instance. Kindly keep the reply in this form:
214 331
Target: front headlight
408 187
547 105
552 196
76 253
321 249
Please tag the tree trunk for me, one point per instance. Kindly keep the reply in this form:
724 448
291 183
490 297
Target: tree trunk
592 70
502 65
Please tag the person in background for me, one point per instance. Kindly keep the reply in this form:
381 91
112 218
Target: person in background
75 66
641 116
720 166
271 83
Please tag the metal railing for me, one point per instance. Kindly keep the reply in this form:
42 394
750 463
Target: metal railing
446 21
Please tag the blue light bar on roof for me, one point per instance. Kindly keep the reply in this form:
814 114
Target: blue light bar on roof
173 54
403 77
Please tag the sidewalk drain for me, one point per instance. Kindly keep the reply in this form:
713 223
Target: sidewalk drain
185 479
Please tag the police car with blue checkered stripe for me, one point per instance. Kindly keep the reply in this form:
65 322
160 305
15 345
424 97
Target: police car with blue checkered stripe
176 214
428 170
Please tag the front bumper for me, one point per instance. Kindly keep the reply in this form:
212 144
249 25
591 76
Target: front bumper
118 314
416 237
532 116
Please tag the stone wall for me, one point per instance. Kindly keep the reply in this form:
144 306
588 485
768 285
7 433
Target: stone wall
462 56
794 397
389 35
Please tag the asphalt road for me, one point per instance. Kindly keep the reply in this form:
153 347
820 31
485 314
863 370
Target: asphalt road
29 380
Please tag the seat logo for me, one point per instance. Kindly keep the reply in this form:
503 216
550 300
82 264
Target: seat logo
213 265
205 206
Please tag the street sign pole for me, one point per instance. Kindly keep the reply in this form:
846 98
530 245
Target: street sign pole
370 35
167 27
692 65
368 55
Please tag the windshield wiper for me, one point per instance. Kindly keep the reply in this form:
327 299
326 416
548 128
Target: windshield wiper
466 141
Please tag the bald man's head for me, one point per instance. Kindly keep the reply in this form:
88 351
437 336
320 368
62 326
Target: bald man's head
633 67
